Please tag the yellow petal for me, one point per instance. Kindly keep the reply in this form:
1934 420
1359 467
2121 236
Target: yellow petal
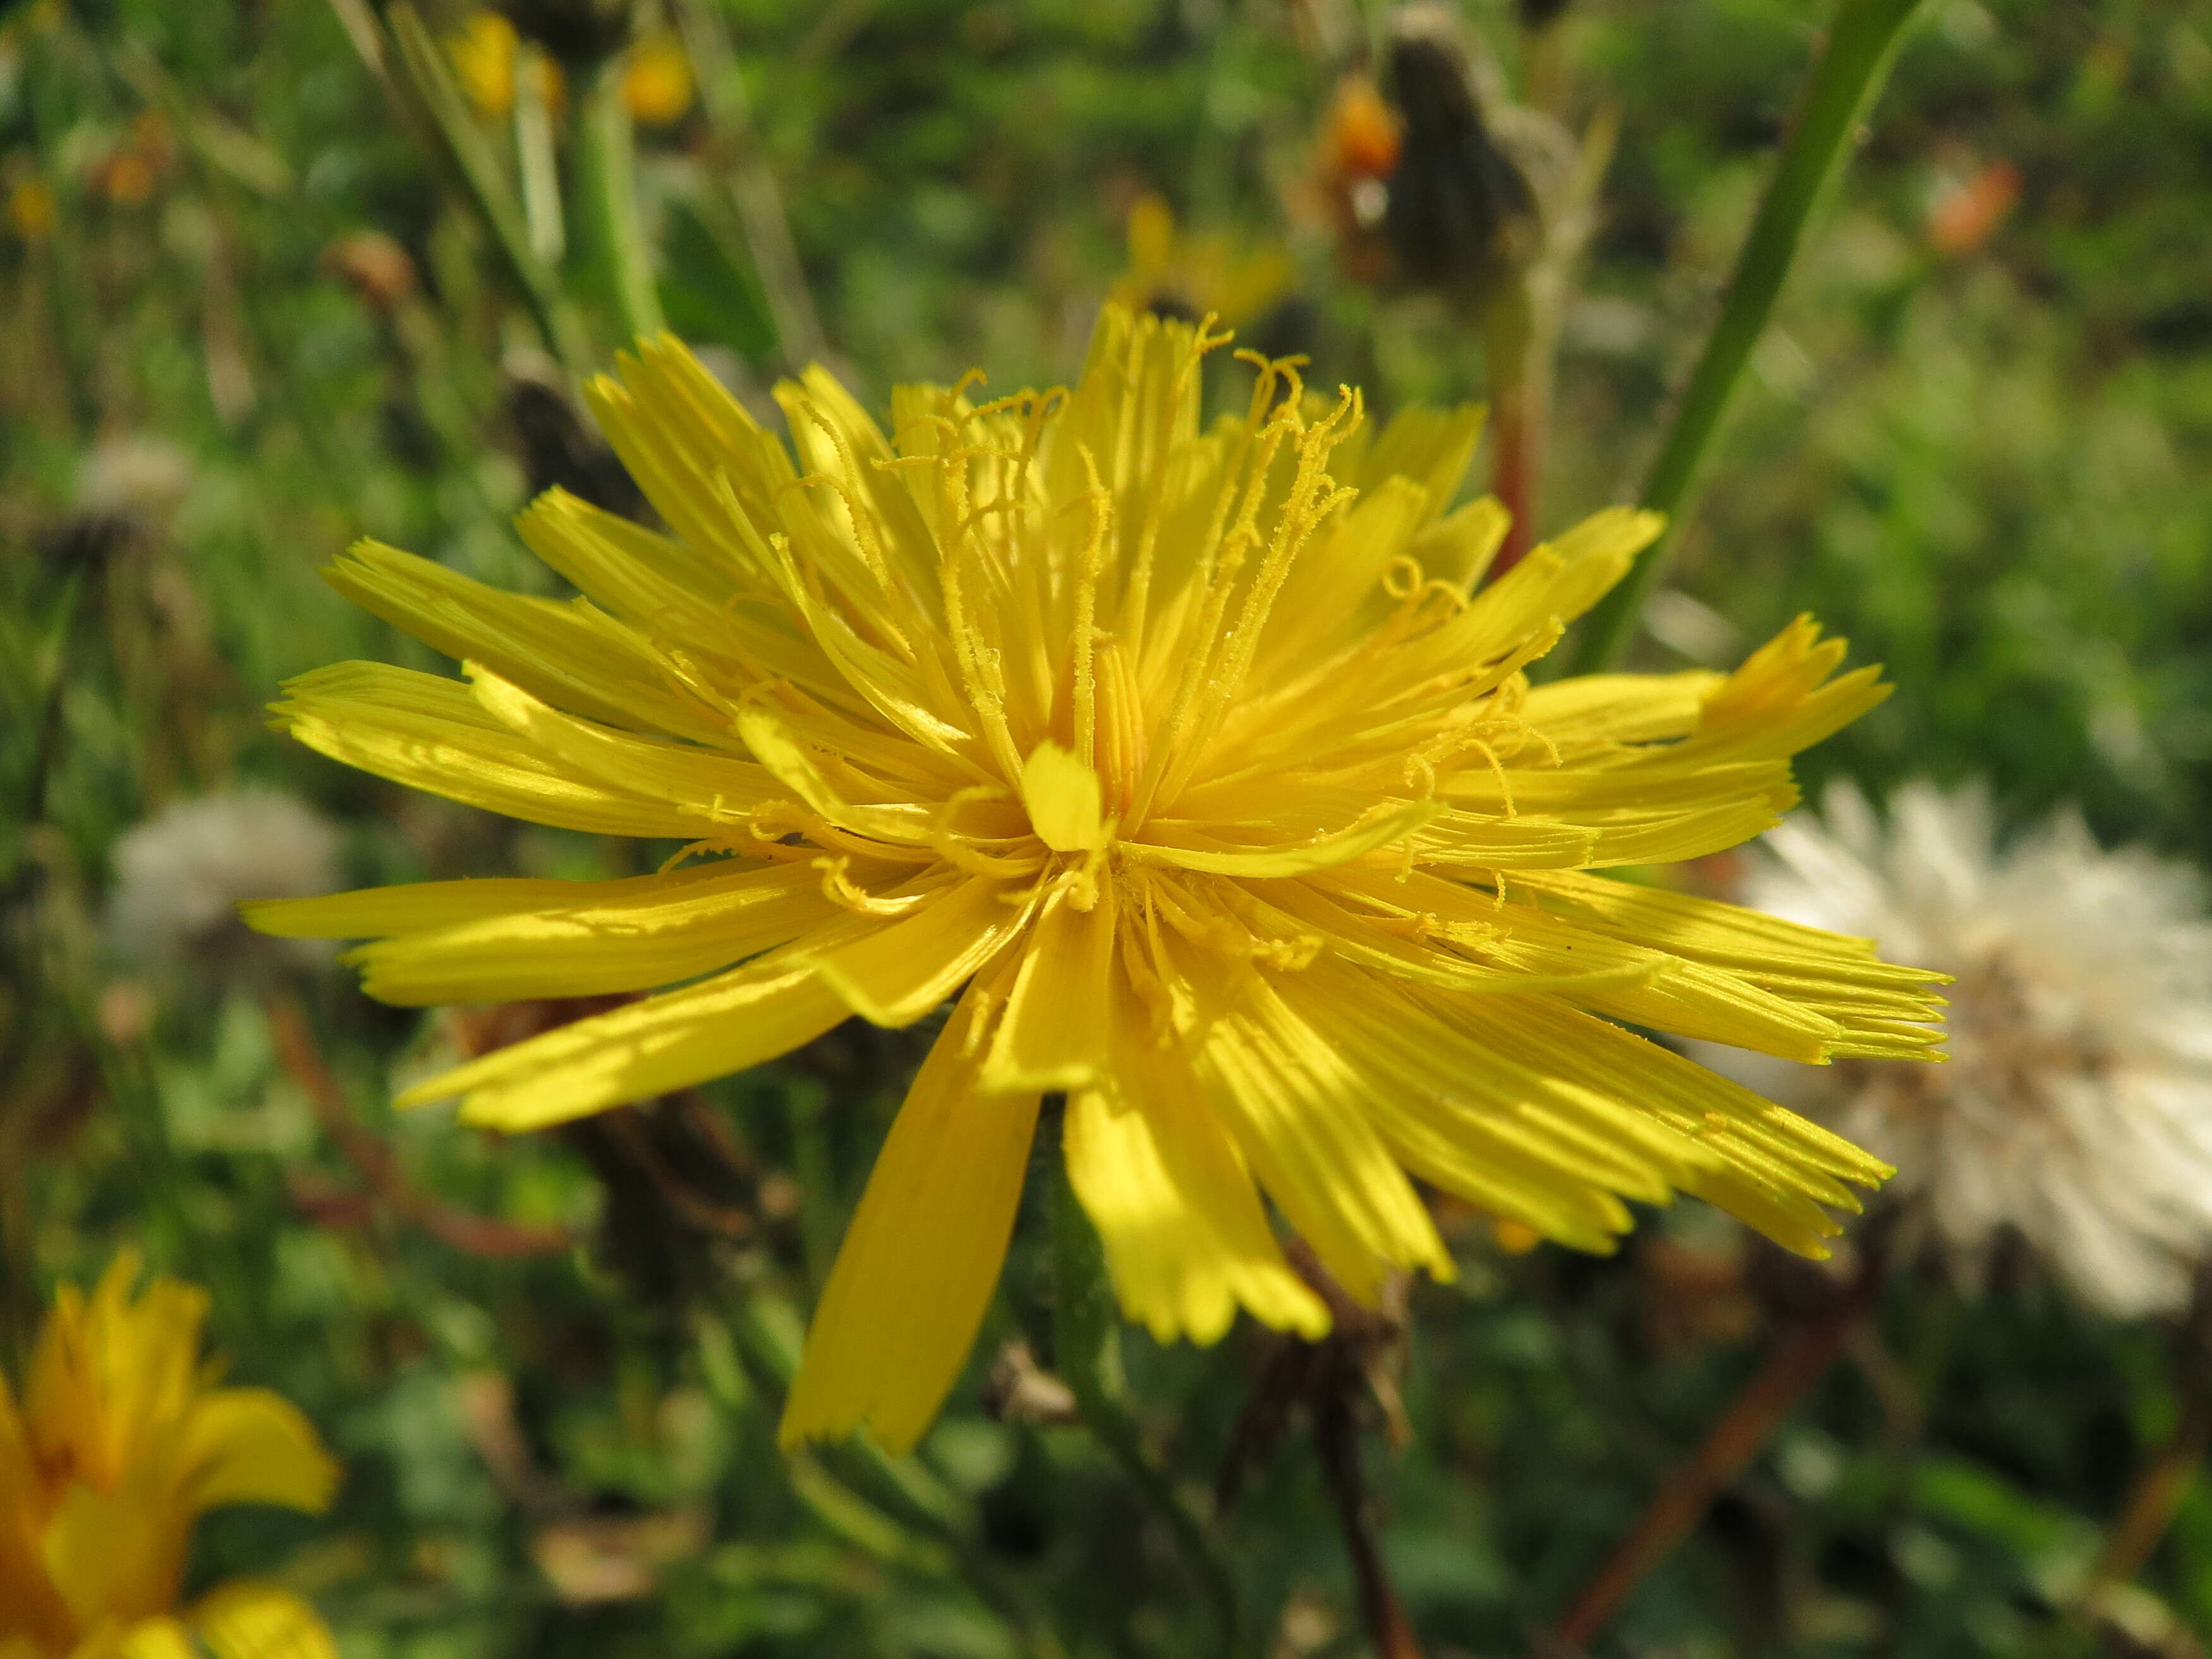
649 579
669 930
1063 798
118 1551
429 733
1764 1164
1152 236
1611 709
778 748
412 907
1058 1022
1827 974
1430 447
919 1260
1187 1242
717 787
245 1620
1334 593
834 436
896 975
586 663
1458 547
1557 581
250 1446
34 1608
1325 852
1498 1133
736 1019
1298 1114
1782 700
151 1638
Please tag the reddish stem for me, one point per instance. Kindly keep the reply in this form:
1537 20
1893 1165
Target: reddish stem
1516 479
1336 1437
1516 348
374 1162
1731 1442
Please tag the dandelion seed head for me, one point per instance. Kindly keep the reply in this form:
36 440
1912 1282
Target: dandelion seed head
2075 1114
181 875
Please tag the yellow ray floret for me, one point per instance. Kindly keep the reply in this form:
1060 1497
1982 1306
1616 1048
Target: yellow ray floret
118 1441
1192 759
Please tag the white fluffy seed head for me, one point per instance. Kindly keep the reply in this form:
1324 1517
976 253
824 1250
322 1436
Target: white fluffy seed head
2075 1112
180 875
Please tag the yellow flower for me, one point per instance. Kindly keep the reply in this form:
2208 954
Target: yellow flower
120 1441
31 210
488 60
656 84
1190 276
482 53
1224 796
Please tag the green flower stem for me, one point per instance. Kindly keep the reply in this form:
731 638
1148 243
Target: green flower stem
421 66
758 1349
1087 1356
607 180
1860 45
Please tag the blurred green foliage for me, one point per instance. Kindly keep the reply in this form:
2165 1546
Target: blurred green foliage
1978 445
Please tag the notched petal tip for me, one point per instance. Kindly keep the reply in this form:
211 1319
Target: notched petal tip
1065 798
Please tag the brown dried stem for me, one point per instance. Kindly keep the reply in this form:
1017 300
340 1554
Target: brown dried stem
1336 1444
1735 1439
298 1053
2160 1485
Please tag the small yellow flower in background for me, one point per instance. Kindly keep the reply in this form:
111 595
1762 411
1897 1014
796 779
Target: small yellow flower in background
31 210
129 176
482 53
1191 760
488 57
119 1442
656 86
1189 275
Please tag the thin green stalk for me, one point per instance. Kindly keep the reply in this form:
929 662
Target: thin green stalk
536 161
751 186
1860 45
1086 1354
608 183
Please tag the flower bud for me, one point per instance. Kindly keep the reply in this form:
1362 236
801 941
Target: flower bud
1462 216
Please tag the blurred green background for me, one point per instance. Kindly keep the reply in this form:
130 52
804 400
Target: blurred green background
249 310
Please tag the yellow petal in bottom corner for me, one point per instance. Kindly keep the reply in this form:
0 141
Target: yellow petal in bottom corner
259 1621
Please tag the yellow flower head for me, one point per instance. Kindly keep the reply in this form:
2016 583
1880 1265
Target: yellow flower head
656 84
1190 760
491 62
482 53
118 1443
31 210
1180 274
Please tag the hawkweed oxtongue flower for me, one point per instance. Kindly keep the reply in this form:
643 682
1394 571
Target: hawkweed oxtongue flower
118 1441
1190 761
